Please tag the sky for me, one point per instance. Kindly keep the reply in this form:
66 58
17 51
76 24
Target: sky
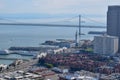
55 9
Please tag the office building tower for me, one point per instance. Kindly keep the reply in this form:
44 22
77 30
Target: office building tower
113 22
76 39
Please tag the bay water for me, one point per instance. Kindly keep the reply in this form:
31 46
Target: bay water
33 36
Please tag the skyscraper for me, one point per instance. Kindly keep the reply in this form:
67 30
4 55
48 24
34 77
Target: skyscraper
113 22
76 39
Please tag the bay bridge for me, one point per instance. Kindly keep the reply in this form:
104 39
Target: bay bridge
51 24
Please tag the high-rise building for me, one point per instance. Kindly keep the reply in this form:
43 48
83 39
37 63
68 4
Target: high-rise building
105 44
76 39
113 22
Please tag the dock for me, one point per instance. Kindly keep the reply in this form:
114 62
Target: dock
13 59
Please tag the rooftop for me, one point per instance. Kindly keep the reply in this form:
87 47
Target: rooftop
114 7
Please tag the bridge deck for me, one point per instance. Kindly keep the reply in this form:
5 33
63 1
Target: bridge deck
51 25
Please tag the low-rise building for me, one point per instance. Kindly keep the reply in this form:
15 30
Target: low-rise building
79 75
40 55
105 44
60 70
3 67
21 75
61 43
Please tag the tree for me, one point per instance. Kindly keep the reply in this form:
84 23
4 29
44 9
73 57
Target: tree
48 65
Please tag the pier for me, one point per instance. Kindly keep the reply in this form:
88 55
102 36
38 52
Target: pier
13 59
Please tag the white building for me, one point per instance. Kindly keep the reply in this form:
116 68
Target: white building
60 70
105 44
59 50
42 54
3 66
79 75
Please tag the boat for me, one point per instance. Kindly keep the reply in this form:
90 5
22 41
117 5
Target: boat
27 53
4 52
